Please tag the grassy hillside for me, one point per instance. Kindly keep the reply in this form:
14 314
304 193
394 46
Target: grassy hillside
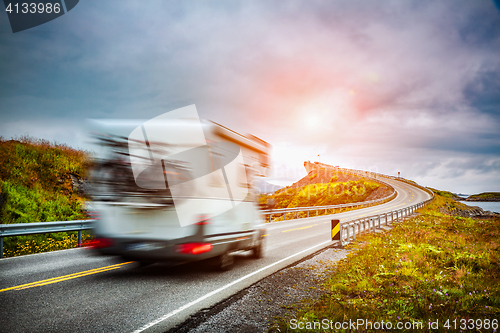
36 185
327 188
323 194
430 267
445 194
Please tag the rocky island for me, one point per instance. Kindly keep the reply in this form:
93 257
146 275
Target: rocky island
486 196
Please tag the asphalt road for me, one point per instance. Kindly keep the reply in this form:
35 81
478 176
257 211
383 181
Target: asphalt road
75 291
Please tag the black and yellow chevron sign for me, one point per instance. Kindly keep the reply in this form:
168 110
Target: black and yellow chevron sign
336 230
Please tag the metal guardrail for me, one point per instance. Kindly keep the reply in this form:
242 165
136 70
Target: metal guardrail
368 174
373 175
20 229
308 209
349 229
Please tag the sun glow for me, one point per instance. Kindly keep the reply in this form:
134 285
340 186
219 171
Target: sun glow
312 122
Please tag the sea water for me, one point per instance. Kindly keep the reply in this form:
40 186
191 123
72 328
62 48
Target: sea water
485 205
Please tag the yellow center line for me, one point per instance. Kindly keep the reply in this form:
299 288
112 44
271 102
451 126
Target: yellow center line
265 235
309 226
66 277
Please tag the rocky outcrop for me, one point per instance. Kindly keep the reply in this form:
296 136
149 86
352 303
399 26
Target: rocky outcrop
484 199
80 186
465 211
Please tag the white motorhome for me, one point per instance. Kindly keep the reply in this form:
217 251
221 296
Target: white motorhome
169 192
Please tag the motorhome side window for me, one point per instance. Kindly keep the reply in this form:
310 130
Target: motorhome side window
224 155
112 177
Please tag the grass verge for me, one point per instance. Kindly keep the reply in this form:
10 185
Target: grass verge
45 243
432 268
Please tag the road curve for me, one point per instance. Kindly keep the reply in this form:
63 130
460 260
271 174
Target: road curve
75 291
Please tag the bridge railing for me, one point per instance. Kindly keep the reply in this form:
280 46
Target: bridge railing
316 209
350 229
375 176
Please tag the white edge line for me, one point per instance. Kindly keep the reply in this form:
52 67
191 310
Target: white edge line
188 305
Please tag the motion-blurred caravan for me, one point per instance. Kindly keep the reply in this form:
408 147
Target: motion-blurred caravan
177 189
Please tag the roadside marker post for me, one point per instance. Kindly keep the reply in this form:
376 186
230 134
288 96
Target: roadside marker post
336 232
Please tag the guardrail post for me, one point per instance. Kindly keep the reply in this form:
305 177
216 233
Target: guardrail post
79 238
297 215
284 216
1 247
308 213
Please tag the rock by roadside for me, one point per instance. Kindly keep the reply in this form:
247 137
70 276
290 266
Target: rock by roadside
80 186
251 309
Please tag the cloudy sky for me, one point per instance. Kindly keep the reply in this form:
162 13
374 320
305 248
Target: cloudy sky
409 86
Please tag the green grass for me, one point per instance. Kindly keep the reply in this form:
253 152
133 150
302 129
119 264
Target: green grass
323 194
445 194
35 186
430 267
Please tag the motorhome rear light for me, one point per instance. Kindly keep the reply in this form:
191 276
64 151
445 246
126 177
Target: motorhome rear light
203 220
100 243
194 248
202 223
